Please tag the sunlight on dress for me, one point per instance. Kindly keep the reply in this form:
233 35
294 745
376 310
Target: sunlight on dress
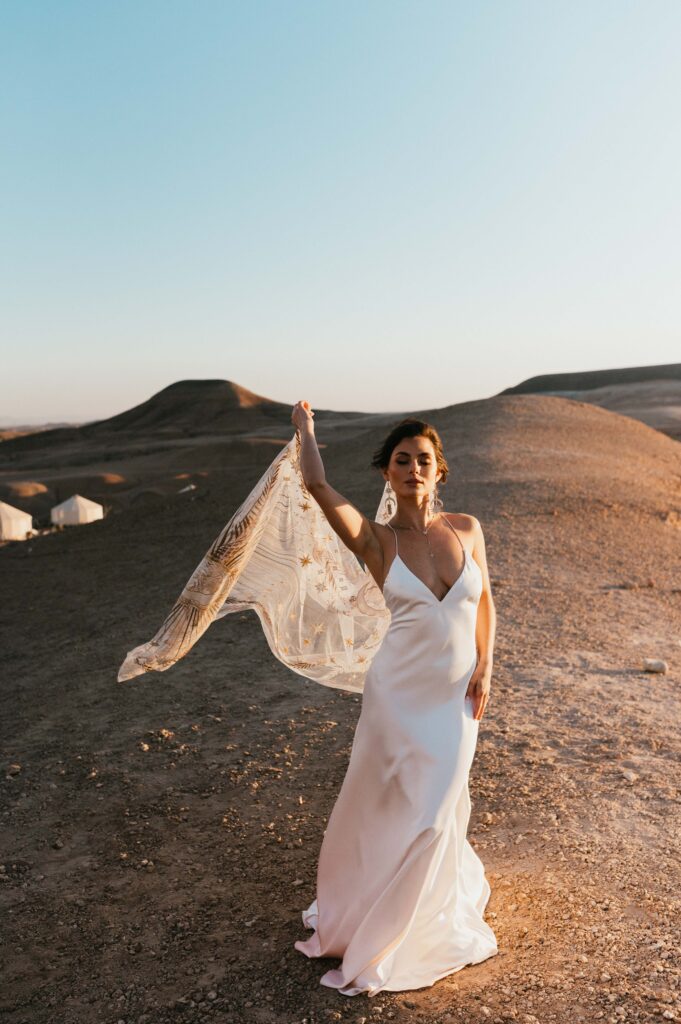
400 890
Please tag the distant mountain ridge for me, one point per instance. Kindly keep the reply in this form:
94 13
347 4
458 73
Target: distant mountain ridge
187 408
217 408
651 394
583 380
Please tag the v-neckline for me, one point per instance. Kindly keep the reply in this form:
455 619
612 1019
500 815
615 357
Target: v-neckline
439 600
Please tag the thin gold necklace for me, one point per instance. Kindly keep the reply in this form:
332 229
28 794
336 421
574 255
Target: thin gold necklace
424 532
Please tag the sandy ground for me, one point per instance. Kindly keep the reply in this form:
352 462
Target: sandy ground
159 838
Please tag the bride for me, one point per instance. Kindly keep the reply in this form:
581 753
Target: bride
400 891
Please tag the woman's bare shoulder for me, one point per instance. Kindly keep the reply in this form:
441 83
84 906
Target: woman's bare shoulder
463 521
467 526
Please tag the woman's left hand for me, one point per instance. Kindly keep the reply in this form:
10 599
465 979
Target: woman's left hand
479 686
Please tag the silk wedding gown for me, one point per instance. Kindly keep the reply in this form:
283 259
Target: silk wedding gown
400 890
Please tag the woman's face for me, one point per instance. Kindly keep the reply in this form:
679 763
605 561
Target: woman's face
412 470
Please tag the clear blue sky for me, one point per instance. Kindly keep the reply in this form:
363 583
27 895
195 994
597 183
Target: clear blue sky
373 205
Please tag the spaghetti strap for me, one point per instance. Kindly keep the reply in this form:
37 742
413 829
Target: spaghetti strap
463 548
395 536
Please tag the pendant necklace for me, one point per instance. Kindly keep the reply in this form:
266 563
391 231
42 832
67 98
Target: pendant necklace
424 532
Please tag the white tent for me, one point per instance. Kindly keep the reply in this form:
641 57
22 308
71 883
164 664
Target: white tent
14 524
75 511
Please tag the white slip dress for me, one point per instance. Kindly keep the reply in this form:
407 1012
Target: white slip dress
400 892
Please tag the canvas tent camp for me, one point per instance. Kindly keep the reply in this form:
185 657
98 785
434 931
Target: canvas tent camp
75 511
14 524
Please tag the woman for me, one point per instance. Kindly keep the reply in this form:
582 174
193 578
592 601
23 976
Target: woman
400 891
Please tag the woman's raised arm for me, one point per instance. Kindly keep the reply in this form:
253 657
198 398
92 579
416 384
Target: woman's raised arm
352 526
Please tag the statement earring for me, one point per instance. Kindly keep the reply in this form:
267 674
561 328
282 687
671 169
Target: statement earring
436 502
389 500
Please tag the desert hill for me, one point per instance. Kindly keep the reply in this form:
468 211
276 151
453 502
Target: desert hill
187 407
196 406
187 431
160 837
651 394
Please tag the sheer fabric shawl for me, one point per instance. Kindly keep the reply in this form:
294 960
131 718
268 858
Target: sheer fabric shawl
323 615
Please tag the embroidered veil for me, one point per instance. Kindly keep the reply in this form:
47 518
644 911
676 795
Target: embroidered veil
322 613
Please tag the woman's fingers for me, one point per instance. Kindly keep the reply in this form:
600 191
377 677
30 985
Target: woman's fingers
481 703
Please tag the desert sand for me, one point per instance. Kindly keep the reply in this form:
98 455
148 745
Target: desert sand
159 837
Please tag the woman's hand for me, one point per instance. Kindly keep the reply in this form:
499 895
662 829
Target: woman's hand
302 415
479 686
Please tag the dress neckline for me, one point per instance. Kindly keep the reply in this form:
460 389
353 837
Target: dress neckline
439 600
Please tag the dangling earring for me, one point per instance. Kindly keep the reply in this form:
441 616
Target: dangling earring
436 502
389 500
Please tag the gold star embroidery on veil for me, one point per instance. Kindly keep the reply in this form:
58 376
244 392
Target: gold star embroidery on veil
228 580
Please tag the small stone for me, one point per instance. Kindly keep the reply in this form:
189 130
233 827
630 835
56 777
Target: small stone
629 775
655 665
14 769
